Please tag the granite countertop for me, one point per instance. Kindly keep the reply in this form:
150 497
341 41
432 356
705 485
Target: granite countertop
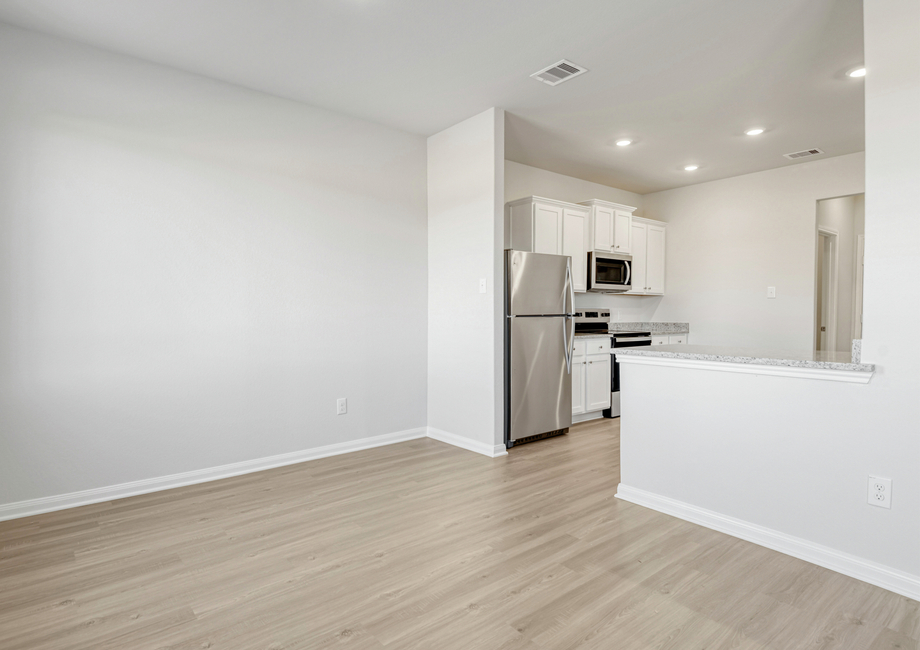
592 336
796 359
655 327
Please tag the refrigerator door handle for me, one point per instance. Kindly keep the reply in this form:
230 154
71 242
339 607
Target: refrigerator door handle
569 350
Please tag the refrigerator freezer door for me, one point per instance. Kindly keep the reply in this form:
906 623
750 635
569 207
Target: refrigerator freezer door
537 284
541 387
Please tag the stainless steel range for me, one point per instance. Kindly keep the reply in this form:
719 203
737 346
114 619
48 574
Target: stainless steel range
591 320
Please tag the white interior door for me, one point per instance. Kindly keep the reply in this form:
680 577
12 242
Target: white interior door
858 288
826 291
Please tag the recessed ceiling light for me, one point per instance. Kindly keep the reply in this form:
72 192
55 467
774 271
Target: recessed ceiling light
754 132
624 143
691 168
857 72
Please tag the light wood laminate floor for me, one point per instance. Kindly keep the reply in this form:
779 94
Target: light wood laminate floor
421 545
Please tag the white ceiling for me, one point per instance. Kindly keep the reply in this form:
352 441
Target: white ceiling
683 78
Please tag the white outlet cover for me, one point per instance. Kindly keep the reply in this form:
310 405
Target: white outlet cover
341 406
879 492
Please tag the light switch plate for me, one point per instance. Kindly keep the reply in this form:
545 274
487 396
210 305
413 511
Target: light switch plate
482 285
771 292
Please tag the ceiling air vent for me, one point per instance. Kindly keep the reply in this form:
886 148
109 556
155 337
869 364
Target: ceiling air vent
559 72
803 154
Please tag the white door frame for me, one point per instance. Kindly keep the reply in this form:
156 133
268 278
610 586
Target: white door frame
831 282
858 269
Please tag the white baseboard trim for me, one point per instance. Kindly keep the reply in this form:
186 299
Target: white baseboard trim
465 443
829 558
109 493
587 417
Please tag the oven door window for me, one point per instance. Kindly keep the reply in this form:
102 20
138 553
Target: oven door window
611 272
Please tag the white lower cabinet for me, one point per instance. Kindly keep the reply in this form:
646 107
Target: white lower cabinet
591 376
578 386
670 339
597 382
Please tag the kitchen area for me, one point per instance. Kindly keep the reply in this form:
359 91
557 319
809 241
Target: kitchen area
561 343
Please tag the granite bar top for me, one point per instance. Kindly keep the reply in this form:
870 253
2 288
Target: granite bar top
795 359
650 326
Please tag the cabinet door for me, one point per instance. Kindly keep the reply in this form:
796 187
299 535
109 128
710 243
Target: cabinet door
660 340
622 231
603 228
547 229
654 260
639 236
578 386
677 339
574 240
597 382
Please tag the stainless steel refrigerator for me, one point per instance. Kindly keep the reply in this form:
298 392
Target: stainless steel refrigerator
539 337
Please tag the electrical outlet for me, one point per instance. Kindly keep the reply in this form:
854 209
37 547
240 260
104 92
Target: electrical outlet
879 491
771 292
341 406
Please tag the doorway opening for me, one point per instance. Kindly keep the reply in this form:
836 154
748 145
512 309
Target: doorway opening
826 271
839 245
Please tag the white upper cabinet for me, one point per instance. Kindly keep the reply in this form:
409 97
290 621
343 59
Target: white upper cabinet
575 245
622 231
603 228
654 259
540 225
609 225
536 227
639 238
648 238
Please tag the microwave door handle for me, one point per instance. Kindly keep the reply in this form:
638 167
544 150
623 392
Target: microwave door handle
628 271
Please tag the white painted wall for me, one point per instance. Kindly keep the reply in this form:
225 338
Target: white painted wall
192 272
840 215
729 240
465 242
523 181
793 455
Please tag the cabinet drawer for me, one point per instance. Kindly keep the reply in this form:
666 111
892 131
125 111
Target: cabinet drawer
660 340
597 346
579 349
677 338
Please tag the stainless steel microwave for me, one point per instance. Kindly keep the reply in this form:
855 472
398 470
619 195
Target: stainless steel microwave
609 272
